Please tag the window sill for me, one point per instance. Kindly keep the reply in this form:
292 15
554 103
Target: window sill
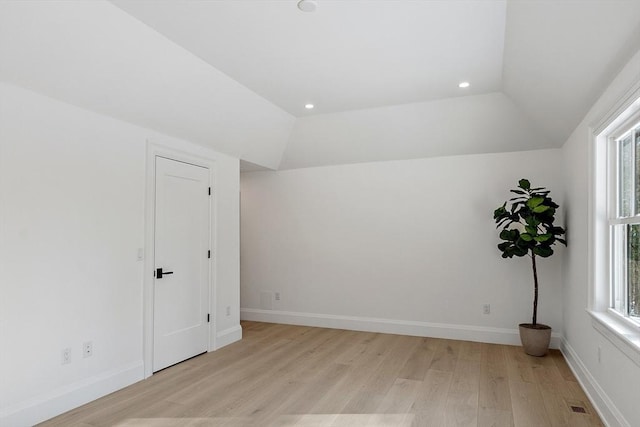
622 333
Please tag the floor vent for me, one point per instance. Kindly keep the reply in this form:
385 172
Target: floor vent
578 409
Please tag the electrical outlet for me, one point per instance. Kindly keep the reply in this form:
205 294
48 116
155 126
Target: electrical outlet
486 309
228 310
277 296
87 349
599 354
66 355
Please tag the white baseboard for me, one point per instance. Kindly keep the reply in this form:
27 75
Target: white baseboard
228 336
608 412
59 401
390 326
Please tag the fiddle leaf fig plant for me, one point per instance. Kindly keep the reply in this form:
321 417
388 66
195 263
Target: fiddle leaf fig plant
527 228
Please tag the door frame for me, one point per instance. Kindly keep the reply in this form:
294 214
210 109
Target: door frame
154 150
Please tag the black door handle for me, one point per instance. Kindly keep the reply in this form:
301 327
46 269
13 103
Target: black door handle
160 273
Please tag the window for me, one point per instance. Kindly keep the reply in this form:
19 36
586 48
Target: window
624 218
614 217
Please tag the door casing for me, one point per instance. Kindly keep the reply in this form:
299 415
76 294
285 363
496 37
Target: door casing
154 150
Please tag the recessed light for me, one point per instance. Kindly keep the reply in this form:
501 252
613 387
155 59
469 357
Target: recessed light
307 5
463 85
309 106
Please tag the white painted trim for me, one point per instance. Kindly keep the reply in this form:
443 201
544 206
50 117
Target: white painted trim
229 336
601 176
620 106
392 326
63 399
193 156
605 407
599 179
592 225
620 332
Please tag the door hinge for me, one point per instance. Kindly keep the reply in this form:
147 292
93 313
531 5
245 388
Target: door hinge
209 190
208 318
208 254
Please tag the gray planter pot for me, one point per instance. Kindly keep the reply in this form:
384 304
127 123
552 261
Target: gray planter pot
535 338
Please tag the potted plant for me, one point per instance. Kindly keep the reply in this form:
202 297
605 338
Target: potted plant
528 229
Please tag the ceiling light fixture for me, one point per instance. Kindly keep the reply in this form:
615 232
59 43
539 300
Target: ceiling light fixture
309 106
463 85
307 5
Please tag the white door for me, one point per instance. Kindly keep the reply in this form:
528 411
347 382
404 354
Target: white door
181 283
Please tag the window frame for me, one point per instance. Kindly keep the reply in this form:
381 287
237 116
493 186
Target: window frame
623 332
617 235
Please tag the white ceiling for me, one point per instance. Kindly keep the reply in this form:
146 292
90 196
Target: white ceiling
347 55
383 74
559 56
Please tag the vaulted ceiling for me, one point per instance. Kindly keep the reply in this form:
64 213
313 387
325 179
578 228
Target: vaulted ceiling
383 75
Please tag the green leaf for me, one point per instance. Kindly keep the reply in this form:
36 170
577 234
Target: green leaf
532 221
551 203
524 184
499 212
504 245
534 201
526 237
540 209
510 235
543 251
543 237
520 252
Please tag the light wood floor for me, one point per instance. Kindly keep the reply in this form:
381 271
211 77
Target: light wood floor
281 375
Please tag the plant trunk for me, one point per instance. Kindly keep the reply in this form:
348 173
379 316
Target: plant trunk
535 289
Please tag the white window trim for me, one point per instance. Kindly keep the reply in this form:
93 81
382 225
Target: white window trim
620 331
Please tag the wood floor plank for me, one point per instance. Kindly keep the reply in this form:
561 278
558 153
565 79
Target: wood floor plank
462 399
489 417
559 400
400 398
446 355
245 388
470 350
370 394
528 405
494 394
547 374
562 366
518 365
283 375
362 368
431 399
416 366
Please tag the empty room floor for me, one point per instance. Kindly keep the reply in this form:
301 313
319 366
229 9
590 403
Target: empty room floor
282 375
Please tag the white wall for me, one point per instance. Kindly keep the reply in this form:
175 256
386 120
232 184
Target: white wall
72 209
403 246
489 123
71 51
614 382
